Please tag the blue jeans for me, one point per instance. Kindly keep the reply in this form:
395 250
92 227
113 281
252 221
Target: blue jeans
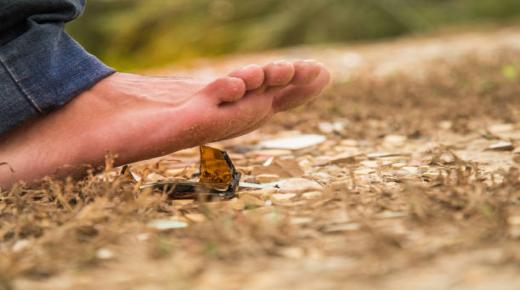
41 67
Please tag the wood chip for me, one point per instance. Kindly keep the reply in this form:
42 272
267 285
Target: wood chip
294 142
349 143
390 215
21 245
411 170
281 167
328 127
251 201
445 125
395 140
164 225
301 220
283 196
312 194
501 128
104 254
269 153
514 220
292 252
195 217
265 178
343 158
377 155
298 185
501 146
341 227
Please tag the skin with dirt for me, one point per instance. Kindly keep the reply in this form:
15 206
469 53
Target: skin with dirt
415 187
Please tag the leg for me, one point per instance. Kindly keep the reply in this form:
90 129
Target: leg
60 106
41 67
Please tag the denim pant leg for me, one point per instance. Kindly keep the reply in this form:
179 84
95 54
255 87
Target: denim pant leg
41 67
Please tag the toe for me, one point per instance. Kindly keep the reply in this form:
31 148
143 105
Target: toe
295 95
225 90
278 73
252 75
245 115
305 71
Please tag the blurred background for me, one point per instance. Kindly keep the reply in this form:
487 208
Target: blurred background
137 34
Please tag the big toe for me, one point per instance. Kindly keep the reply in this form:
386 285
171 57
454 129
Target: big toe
252 75
279 73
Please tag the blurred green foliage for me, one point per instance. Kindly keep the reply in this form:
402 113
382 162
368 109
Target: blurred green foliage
132 34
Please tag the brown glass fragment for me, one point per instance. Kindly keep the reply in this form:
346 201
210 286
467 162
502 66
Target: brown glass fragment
218 179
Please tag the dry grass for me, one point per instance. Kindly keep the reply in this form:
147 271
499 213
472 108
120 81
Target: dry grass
365 227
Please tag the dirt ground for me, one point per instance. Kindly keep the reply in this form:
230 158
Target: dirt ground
415 186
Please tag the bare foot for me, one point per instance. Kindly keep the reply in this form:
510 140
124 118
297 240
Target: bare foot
139 117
